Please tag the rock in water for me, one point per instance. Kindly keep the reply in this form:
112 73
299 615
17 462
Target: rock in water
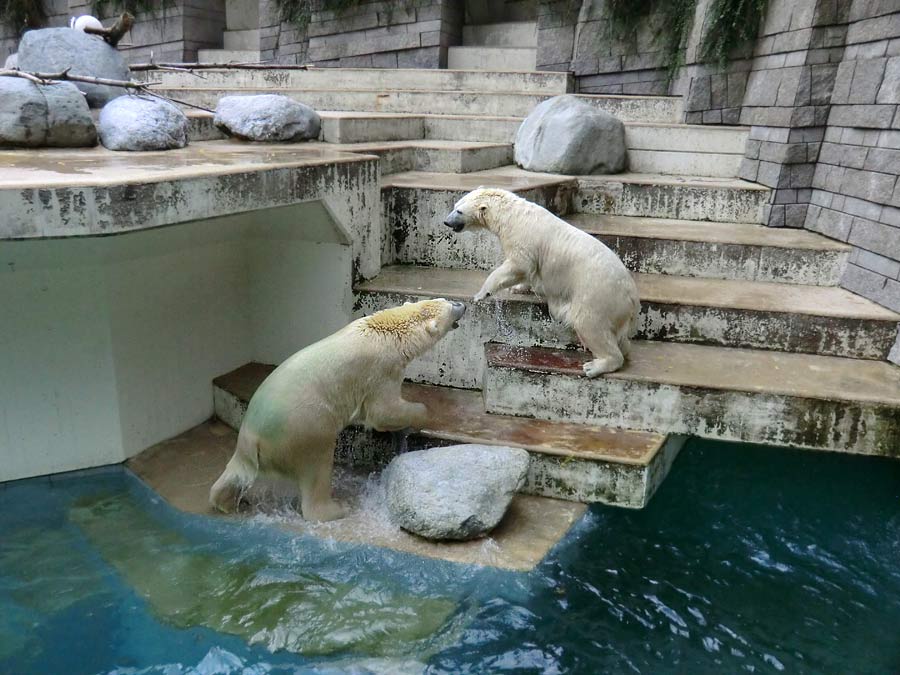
568 136
142 123
44 115
267 117
456 492
52 50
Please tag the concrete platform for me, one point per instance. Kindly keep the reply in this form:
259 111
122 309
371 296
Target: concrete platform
476 57
433 155
798 400
578 462
384 79
183 468
803 319
719 250
488 102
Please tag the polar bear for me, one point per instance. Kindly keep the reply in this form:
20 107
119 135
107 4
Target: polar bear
350 377
585 284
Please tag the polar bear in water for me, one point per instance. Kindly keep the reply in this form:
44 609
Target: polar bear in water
585 284
351 377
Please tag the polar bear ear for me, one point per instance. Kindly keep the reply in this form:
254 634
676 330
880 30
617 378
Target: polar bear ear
432 326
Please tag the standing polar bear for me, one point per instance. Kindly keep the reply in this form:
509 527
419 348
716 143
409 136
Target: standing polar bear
351 377
585 284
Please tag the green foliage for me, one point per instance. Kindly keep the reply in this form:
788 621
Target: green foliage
730 24
21 14
676 19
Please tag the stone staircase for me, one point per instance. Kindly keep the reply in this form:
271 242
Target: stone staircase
504 47
744 333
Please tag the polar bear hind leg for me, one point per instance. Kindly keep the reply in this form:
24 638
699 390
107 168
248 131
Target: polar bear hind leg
314 480
604 346
240 473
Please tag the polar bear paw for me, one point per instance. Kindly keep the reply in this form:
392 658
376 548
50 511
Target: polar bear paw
325 511
598 367
521 289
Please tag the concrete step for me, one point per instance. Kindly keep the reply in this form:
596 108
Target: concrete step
498 59
799 400
426 155
247 39
586 463
374 79
228 56
417 203
503 34
782 317
662 196
444 102
692 248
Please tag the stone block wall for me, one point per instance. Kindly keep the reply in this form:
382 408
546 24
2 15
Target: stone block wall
855 189
372 34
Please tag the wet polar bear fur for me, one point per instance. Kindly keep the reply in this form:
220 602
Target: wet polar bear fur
585 284
351 377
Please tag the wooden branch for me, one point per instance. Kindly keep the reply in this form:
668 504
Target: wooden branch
115 32
200 66
65 75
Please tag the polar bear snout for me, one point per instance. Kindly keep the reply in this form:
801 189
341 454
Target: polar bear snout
457 309
455 220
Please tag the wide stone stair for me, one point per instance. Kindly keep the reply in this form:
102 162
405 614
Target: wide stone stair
744 333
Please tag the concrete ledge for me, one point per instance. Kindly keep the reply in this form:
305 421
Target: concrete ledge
574 462
815 402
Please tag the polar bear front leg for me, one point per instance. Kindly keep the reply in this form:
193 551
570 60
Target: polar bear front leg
503 277
389 411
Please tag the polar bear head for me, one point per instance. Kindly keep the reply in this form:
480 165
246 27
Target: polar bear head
478 209
414 327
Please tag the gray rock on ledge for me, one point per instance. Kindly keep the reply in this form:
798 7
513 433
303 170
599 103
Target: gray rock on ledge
267 117
568 136
44 115
141 123
456 492
52 50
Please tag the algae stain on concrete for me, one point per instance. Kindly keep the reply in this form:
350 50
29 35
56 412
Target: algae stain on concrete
276 605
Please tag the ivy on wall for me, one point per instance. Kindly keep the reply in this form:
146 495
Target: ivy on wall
728 26
22 14
299 12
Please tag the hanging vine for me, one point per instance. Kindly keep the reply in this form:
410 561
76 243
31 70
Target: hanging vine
730 24
22 14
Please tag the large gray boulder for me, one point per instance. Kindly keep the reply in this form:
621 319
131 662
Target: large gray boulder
142 123
456 492
267 117
51 50
44 115
568 136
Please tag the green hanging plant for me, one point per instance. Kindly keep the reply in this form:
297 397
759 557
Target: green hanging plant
22 14
676 22
730 24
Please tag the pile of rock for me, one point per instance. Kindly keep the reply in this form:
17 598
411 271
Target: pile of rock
457 492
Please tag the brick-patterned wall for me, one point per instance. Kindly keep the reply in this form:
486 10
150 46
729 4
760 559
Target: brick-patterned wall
372 34
855 193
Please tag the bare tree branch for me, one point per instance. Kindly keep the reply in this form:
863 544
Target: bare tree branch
200 66
65 75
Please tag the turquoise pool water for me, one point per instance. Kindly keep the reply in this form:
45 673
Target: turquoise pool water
747 560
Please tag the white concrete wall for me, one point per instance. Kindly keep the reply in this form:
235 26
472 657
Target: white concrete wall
109 344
